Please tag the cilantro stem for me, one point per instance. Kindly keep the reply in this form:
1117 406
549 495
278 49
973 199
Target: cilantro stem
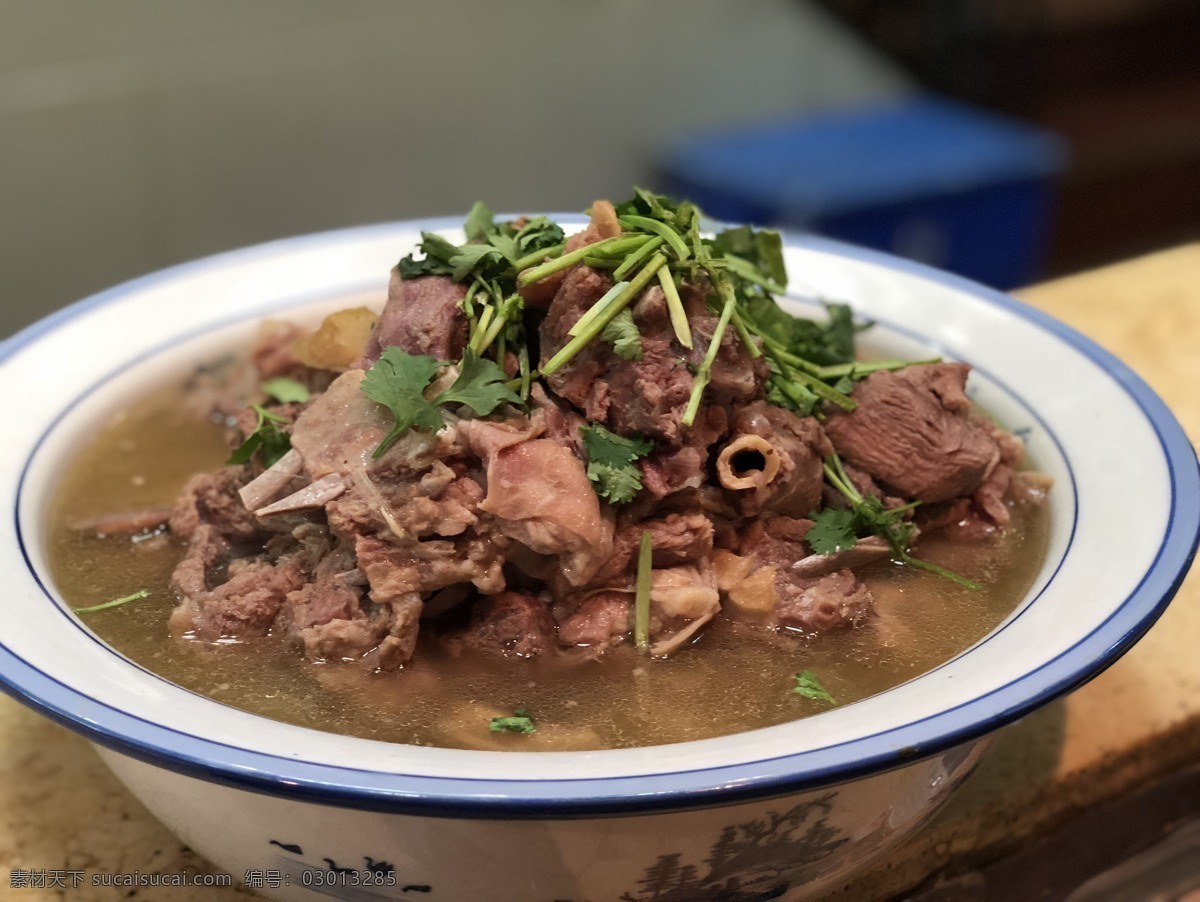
485 319
143 593
597 308
679 320
617 256
922 564
704 373
523 363
490 327
828 392
560 263
401 427
800 396
621 246
596 326
799 370
837 477
835 472
468 302
661 229
537 257
637 257
748 271
780 352
838 370
641 598
739 323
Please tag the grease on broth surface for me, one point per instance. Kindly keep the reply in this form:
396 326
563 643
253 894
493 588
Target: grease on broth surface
729 681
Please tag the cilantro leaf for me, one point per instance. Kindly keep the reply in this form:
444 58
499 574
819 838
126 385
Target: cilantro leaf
809 686
436 262
871 517
480 222
520 722
833 530
622 333
480 385
611 462
618 484
267 439
398 381
285 390
838 528
472 257
762 248
539 233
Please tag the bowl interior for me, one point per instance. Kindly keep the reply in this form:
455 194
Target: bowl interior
1115 454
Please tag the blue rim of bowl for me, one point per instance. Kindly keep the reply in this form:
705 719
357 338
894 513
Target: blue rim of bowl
624 795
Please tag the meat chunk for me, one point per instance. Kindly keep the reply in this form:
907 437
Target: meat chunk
763 583
539 495
736 377
243 606
815 605
601 619
782 473
510 623
603 225
677 538
212 498
911 432
649 396
580 380
341 429
422 316
396 569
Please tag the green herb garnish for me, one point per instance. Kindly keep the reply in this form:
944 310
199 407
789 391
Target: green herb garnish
641 598
116 602
837 529
267 439
493 250
809 686
520 722
622 333
834 529
398 381
811 361
286 391
612 466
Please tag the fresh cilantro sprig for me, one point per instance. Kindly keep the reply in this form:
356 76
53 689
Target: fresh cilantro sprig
493 251
834 529
612 462
116 602
267 439
838 529
809 686
520 722
286 391
811 361
622 333
642 591
398 381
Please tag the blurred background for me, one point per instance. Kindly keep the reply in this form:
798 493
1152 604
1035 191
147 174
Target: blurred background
1008 140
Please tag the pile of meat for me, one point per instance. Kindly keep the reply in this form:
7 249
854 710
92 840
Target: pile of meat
490 533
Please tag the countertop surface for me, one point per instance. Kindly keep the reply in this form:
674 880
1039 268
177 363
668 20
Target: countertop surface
1125 744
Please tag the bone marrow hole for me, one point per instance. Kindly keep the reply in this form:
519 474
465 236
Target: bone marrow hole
747 462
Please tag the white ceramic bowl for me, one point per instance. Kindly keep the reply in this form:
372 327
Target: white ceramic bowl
777 812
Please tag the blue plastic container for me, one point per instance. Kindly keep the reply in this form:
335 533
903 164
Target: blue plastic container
925 178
